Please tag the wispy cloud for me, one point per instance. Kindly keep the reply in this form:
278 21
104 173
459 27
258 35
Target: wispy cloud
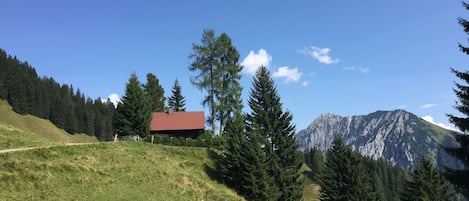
289 74
426 106
448 127
349 68
305 83
364 70
353 68
255 60
321 54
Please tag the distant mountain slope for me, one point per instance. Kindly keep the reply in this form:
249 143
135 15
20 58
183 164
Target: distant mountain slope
27 131
398 136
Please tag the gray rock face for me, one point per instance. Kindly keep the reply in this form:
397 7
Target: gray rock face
400 137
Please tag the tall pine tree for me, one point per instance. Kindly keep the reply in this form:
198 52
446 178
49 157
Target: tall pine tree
177 100
461 177
268 122
133 114
426 184
155 94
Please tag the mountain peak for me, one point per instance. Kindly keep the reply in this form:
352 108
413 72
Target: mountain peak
398 136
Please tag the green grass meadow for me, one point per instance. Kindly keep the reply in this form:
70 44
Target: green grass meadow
110 171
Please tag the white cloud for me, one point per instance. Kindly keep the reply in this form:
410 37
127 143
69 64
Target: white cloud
321 54
364 70
349 68
290 74
426 106
448 127
305 83
255 60
353 68
114 98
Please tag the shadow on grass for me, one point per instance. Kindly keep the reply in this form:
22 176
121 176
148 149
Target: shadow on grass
214 172
310 177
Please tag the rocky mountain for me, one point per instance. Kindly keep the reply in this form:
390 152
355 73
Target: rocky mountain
400 137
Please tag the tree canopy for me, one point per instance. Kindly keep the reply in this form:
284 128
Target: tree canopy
216 61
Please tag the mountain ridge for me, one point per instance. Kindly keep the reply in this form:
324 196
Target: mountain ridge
398 136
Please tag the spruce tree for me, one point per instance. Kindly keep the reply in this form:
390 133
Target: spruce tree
155 94
315 161
344 176
231 165
268 122
177 100
461 177
257 183
426 184
133 114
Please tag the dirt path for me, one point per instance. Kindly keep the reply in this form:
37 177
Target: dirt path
29 148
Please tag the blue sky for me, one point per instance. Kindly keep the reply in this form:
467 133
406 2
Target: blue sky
341 57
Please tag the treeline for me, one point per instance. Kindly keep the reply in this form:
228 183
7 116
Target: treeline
346 175
43 97
386 181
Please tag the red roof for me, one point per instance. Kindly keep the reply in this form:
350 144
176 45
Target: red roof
164 121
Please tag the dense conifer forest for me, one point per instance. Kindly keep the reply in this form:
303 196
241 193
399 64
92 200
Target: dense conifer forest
66 107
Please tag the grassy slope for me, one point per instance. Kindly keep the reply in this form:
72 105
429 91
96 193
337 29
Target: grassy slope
121 171
29 131
110 171
311 190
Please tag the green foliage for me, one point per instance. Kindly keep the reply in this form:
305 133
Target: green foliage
111 171
261 157
426 184
177 100
17 131
201 141
216 61
133 114
277 136
154 94
232 165
314 159
43 97
344 176
459 177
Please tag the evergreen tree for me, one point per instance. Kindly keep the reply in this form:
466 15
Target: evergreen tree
426 184
231 165
344 176
133 114
461 177
216 61
315 160
277 136
155 94
256 180
177 100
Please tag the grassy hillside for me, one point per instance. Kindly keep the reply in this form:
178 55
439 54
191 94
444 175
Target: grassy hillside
28 131
110 171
